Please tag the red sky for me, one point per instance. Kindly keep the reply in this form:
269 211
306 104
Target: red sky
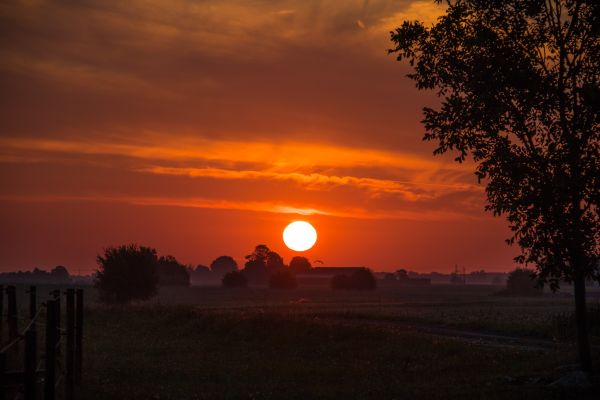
203 128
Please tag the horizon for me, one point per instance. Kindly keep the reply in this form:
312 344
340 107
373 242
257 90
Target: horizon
189 135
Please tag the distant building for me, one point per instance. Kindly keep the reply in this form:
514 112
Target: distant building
321 276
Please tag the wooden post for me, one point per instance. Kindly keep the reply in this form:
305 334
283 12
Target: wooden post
50 361
1 305
29 362
79 336
2 379
70 353
12 312
56 294
32 302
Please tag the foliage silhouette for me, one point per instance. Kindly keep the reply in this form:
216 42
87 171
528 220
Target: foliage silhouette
361 279
520 91
283 279
300 265
235 279
222 265
274 262
521 282
171 273
126 273
261 263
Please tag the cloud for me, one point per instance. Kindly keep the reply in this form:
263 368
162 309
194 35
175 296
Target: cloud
255 206
410 191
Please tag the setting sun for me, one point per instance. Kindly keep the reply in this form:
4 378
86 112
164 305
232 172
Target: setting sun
299 236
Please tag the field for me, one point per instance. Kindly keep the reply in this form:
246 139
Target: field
396 342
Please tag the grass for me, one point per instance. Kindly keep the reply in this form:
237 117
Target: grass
211 343
184 352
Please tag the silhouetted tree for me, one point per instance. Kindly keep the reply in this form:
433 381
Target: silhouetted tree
521 282
60 274
260 263
200 274
222 265
361 279
235 279
126 273
283 279
300 265
171 273
520 91
274 262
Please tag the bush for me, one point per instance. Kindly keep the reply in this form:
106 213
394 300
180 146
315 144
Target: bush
521 282
126 273
235 279
283 279
361 279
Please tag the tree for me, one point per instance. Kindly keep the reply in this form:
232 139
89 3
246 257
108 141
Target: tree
171 273
282 279
361 279
59 274
126 273
300 265
222 265
261 263
274 262
520 94
521 282
235 279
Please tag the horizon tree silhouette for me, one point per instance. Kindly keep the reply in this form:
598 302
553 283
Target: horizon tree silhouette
520 96
171 272
261 263
234 279
126 273
300 265
222 265
521 282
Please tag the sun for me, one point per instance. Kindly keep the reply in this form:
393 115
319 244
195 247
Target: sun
299 236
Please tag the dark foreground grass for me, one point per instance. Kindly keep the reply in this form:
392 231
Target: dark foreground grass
181 352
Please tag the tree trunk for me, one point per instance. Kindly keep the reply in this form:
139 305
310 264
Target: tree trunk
583 342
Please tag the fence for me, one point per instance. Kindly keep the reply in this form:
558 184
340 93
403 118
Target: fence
23 369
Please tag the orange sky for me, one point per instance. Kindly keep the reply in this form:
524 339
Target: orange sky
203 128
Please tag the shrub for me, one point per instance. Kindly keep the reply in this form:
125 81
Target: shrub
126 273
361 279
235 279
282 279
521 282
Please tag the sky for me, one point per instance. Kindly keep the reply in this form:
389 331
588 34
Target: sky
202 128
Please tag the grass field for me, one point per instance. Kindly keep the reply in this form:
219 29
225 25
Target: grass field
211 343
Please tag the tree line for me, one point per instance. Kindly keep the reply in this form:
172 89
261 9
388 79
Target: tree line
132 272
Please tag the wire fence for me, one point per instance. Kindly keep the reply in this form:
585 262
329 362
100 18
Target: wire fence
25 371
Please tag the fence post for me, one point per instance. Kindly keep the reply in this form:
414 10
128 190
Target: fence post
70 353
12 312
30 361
79 337
32 301
1 305
50 364
2 379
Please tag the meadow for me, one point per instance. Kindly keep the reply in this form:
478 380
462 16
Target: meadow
396 342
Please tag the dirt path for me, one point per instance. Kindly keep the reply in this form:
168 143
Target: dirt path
469 336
